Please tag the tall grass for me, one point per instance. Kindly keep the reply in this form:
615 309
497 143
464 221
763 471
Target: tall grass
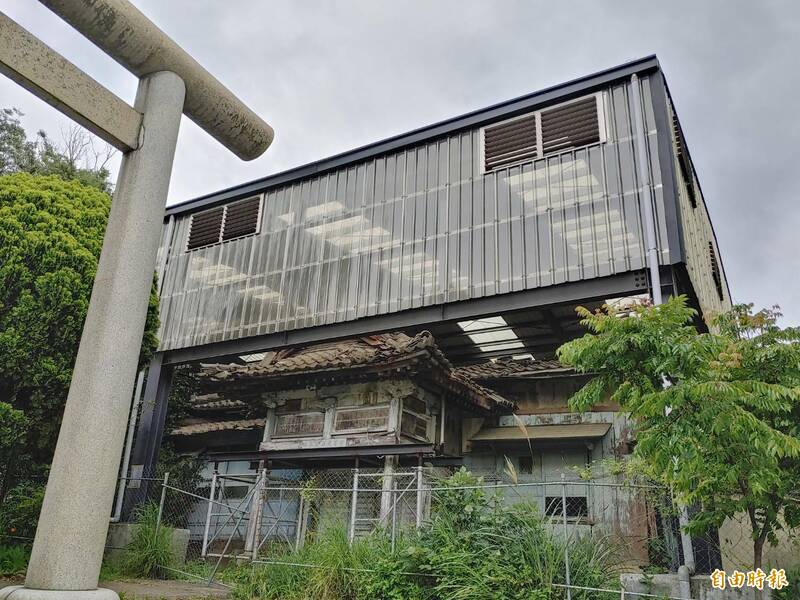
149 548
14 560
472 549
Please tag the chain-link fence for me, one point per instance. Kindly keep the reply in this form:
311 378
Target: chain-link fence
264 516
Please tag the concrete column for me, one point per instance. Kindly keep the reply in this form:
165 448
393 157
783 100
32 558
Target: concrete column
68 548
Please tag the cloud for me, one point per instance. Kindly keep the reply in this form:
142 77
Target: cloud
334 75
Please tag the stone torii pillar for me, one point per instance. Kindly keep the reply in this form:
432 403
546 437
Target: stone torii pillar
69 543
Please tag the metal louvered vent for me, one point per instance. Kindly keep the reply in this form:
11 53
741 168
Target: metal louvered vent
571 125
716 272
241 218
683 161
537 134
205 228
224 223
510 142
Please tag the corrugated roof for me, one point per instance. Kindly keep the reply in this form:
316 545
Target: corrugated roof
524 368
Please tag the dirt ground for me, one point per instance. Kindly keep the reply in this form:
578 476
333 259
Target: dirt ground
164 590
155 590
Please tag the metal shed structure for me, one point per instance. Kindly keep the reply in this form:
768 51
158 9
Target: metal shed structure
487 229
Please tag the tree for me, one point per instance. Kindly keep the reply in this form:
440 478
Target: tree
51 232
717 414
13 426
75 157
16 152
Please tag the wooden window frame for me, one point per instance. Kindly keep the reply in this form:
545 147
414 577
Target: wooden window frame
426 417
345 409
291 436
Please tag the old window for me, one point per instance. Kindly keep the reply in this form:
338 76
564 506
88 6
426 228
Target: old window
308 424
361 419
577 506
526 465
224 223
566 126
234 492
414 418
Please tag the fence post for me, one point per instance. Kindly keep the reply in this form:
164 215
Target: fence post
301 515
260 499
394 513
566 540
420 499
684 582
354 505
211 494
161 502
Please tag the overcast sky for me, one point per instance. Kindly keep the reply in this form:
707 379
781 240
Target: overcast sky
329 76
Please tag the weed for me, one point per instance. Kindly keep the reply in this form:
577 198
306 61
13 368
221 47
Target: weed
150 547
473 547
14 560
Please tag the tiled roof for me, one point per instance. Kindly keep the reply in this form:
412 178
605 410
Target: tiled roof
343 354
214 402
502 369
208 427
381 352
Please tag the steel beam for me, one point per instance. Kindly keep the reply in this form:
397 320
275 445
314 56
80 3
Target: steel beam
633 282
149 432
48 75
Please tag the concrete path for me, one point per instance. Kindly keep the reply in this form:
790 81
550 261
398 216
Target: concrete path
164 590
141 589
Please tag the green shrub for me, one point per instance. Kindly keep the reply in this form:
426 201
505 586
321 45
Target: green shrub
13 426
14 560
19 511
51 233
472 548
505 553
792 591
150 548
338 572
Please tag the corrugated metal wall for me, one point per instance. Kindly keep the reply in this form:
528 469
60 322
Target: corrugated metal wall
697 237
417 227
